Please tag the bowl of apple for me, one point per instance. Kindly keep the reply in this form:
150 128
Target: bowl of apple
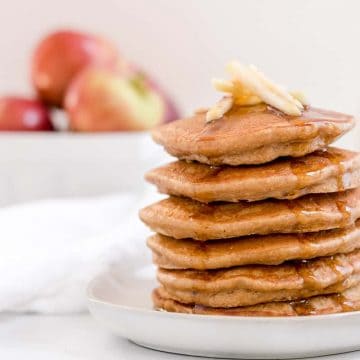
86 130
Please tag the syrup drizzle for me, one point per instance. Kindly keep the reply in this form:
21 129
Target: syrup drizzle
306 307
211 174
306 270
204 210
302 212
338 160
345 303
345 211
300 307
310 116
299 211
305 171
303 307
303 268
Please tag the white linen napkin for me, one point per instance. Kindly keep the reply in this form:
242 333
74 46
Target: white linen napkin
50 249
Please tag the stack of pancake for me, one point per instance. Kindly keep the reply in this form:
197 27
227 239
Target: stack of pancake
262 215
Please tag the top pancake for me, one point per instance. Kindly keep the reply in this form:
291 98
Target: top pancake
320 172
251 135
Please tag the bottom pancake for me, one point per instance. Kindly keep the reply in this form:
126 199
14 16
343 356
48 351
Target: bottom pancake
347 301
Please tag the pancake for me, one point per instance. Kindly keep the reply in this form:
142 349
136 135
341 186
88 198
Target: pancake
319 273
246 297
321 172
251 135
349 300
267 250
185 218
254 285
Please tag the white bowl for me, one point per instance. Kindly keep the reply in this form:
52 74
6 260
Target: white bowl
42 165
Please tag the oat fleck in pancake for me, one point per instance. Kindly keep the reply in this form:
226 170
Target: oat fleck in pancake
321 172
349 300
251 135
244 286
185 218
268 250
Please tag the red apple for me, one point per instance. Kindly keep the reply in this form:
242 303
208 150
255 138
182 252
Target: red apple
23 115
61 55
103 99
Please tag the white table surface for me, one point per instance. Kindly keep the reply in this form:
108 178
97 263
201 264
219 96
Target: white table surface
37 337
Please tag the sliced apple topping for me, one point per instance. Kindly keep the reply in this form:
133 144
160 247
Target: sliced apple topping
300 96
220 109
248 86
240 94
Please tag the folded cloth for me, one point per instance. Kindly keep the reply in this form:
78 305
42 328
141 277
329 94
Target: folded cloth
50 249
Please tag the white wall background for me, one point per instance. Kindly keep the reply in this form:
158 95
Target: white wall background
312 45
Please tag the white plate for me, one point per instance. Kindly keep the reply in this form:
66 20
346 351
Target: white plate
125 308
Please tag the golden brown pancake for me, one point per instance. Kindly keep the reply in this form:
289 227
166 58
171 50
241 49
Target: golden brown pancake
319 273
268 250
349 300
320 172
251 135
184 218
252 285
246 297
